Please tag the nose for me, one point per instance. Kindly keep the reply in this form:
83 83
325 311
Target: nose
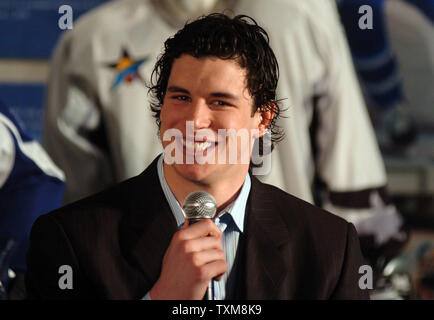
200 114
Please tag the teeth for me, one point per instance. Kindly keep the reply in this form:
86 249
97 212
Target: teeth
198 146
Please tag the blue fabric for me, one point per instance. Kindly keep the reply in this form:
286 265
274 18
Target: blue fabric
372 54
364 42
5 111
374 60
29 29
27 193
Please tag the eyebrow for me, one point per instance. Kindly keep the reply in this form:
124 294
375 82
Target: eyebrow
177 89
226 95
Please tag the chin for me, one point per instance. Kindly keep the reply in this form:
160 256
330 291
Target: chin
194 172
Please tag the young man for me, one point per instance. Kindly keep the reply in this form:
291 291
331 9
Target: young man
217 75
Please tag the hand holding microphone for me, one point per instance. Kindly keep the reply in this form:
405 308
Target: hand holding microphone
195 255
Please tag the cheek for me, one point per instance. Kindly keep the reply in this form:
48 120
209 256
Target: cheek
164 121
163 112
167 117
230 120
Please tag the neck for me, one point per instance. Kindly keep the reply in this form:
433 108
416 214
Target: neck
224 191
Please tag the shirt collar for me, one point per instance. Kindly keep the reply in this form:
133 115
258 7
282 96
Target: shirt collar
236 209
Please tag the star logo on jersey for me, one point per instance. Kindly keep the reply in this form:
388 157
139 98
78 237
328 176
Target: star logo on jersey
126 68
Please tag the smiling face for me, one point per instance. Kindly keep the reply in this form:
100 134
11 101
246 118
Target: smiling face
210 95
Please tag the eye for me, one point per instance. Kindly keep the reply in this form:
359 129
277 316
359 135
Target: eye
181 98
220 103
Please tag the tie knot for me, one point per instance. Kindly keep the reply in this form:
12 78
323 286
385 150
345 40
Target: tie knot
225 221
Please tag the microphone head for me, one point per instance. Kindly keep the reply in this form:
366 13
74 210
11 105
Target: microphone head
199 205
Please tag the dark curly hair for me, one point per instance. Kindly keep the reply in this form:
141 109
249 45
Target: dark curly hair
217 35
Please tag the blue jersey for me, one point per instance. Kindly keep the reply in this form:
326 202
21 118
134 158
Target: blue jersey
30 185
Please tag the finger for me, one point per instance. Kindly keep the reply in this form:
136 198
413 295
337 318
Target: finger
203 228
214 269
204 243
202 258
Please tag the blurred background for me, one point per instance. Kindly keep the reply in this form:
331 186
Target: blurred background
395 69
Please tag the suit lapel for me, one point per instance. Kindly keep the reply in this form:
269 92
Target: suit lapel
265 268
148 225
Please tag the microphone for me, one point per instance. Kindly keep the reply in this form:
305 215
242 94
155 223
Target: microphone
200 205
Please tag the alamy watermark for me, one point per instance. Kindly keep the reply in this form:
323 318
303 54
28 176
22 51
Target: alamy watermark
366 20
367 278
66 20
66 279
229 146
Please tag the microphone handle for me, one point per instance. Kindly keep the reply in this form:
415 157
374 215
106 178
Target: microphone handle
194 220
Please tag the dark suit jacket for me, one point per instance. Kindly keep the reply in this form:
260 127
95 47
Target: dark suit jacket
115 241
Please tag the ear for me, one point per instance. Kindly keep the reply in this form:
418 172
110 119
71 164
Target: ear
266 115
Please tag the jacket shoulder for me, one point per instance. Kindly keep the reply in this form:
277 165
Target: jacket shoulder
307 226
295 210
322 249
